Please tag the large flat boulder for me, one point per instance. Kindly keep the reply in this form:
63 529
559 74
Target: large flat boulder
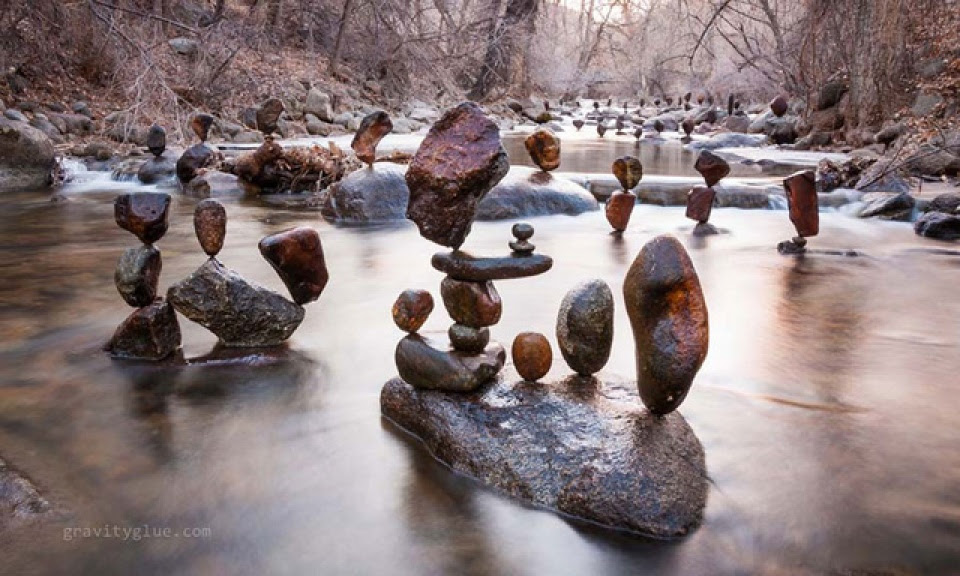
524 193
27 156
580 447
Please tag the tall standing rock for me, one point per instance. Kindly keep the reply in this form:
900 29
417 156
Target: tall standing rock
668 315
700 203
137 274
585 327
210 224
459 161
544 149
801 190
297 256
372 129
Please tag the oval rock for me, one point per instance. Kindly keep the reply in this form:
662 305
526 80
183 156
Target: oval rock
585 327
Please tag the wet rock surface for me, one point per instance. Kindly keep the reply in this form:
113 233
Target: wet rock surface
619 209
27 156
239 312
522 194
372 129
19 498
432 365
158 169
297 256
210 224
668 315
532 356
156 141
468 339
194 159
149 333
544 149
888 206
411 309
459 161
377 193
585 327
137 274
610 461
143 214
473 304
464 266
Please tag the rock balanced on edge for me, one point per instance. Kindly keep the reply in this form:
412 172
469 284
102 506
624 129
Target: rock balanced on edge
700 199
151 332
628 171
803 203
372 129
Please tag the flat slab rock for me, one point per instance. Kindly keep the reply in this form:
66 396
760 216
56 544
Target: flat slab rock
579 447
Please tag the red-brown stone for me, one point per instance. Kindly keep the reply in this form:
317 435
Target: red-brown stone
619 208
628 171
210 224
700 203
779 106
712 167
372 129
297 256
143 214
532 356
801 190
459 161
473 304
544 148
412 309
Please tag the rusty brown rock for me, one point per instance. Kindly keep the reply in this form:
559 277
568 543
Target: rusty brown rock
700 203
297 256
801 190
210 224
459 161
628 171
143 214
411 309
473 304
668 315
372 129
712 167
532 356
544 148
619 208
779 106
200 124
149 333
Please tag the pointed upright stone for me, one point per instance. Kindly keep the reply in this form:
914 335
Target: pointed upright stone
700 203
156 140
801 190
297 256
459 161
668 315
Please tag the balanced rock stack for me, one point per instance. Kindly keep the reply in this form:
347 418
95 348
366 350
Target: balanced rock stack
459 161
628 171
152 331
700 199
199 156
801 191
241 313
161 166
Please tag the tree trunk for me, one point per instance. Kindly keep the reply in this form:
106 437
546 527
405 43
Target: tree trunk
503 46
335 56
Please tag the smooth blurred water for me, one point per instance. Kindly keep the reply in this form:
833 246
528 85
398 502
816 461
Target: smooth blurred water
827 406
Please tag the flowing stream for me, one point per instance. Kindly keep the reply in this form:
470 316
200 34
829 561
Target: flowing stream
827 406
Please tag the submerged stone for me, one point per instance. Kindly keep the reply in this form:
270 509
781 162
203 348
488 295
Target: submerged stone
668 315
431 365
239 312
588 451
585 327
137 274
459 161
143 214
150 333
463 266
938 225
297 256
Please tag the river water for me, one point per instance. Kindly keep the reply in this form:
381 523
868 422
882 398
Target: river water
827 406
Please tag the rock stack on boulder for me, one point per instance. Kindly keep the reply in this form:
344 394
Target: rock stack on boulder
459 161
156 140
199 156
372 129
802 200
152 331
668 315
628 171
163 165
700 199
239 312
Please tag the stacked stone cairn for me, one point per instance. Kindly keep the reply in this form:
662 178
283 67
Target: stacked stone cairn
459 161
241 313
628 171
151 332
802 200
701 198
199 156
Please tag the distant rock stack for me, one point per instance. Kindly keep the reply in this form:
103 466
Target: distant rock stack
578 123
601 126
198 157
156 140
628 171
700 199
462 153
241 313
802 200
152 331
201 124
